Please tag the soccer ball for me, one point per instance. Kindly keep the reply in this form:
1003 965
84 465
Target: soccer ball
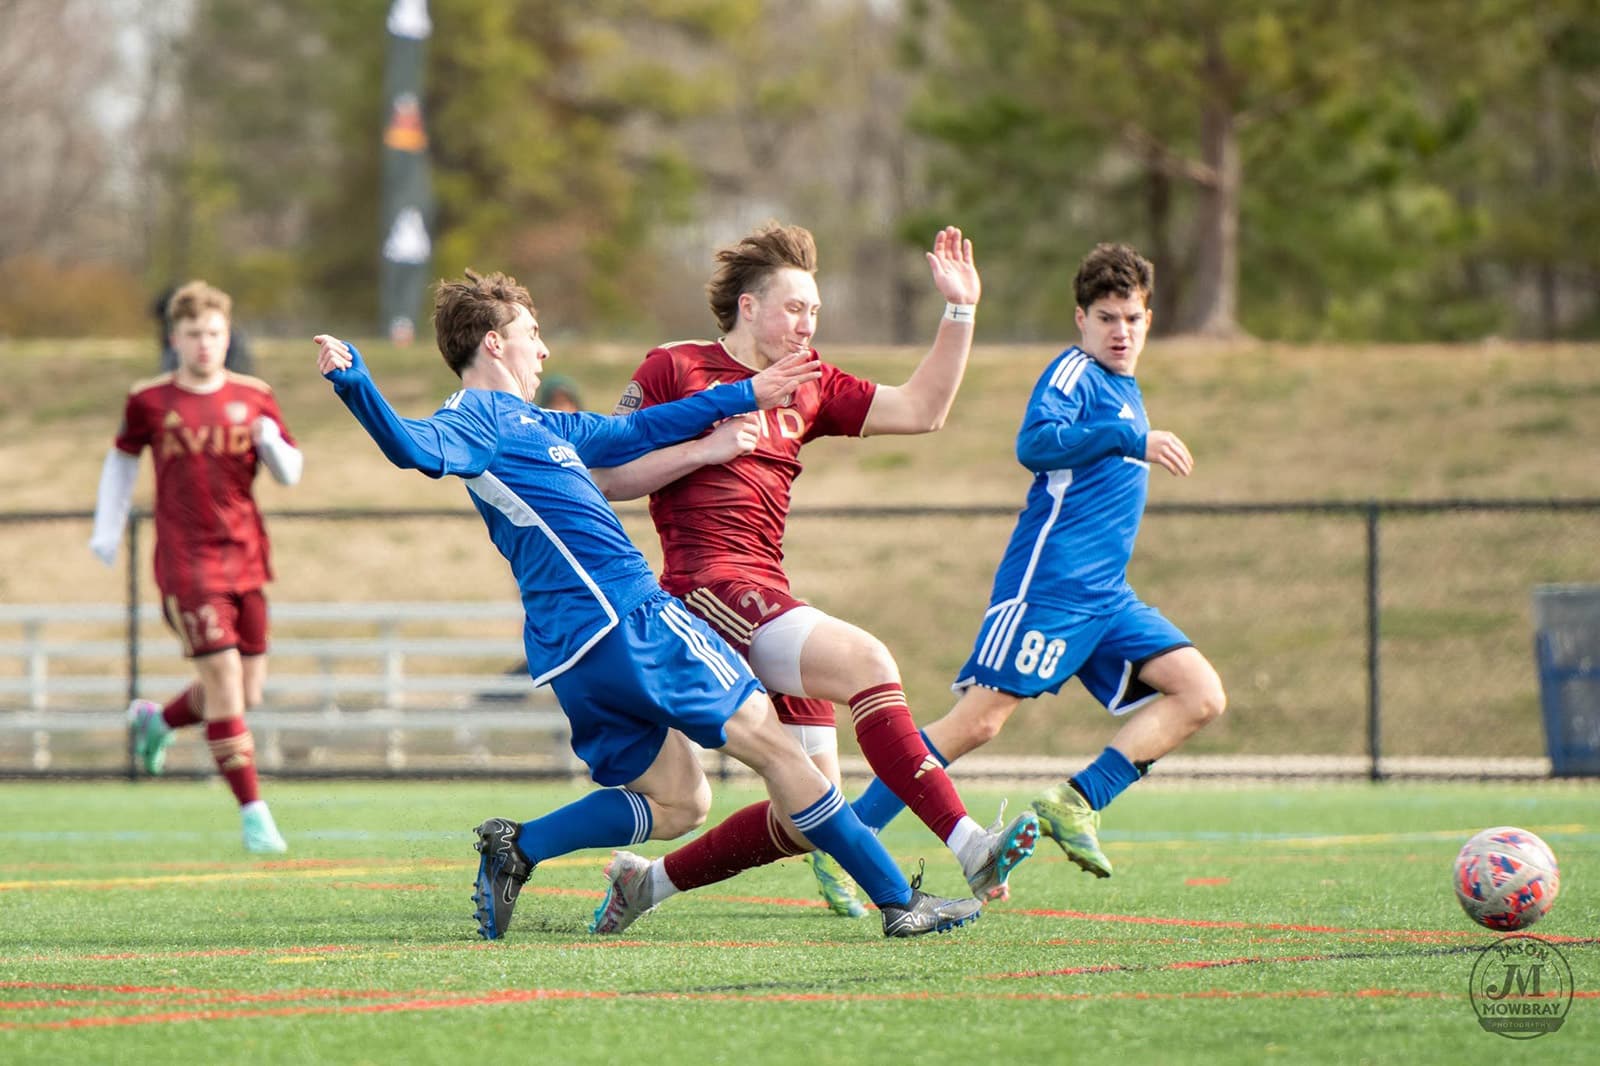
1506 878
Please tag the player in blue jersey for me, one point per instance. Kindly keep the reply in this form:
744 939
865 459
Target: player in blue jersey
637 675
1061 605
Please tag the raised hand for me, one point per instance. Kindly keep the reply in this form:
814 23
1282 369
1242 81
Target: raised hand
777 383
955 275
1166 450
332 354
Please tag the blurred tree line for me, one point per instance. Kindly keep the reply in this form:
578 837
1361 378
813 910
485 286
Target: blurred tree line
1298 169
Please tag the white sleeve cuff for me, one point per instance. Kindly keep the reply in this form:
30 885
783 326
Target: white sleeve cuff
111 505
283 459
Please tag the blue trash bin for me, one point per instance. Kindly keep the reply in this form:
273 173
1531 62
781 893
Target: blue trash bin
1567 650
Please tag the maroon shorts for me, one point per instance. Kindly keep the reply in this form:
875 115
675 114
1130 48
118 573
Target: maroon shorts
218 621
736 609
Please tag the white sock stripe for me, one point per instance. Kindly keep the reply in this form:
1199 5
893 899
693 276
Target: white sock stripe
723 616
890 695
825 808
679 621
641 817
874 704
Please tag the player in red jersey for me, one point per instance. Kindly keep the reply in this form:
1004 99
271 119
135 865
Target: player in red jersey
207 429
721 529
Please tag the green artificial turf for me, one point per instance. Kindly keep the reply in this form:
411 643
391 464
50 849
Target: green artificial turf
1244 924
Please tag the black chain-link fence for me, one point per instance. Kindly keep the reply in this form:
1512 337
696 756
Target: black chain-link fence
1378 637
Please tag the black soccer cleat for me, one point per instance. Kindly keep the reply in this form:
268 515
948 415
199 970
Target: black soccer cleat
502 871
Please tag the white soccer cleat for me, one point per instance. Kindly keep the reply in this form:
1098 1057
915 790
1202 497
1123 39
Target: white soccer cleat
628 898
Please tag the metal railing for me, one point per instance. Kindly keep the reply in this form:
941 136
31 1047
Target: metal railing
1399 642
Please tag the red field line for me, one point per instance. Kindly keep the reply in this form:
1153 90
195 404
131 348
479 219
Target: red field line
425 1001
1204 923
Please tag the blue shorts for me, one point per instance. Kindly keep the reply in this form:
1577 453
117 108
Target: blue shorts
1029 649
661 668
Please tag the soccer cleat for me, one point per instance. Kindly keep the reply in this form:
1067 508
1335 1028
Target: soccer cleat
1008 845
151 735
923 914
836 886
628 898
502 871
1066 817
261 836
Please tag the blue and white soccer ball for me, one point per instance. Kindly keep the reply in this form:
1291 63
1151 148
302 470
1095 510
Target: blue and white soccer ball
1507 878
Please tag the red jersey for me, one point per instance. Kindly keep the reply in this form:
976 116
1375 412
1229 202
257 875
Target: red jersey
209 534
727 520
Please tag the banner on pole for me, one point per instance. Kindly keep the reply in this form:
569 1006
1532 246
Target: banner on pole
407 195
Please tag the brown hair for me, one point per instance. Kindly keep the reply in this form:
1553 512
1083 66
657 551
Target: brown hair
196 298
1113 270
748 265
463 311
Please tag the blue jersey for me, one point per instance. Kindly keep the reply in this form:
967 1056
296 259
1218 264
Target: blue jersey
527 470
1083 436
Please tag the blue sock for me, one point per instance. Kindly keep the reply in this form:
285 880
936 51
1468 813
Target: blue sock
878 806
605 818
831 825
1104 779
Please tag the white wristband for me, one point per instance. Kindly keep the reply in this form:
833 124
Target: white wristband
961 312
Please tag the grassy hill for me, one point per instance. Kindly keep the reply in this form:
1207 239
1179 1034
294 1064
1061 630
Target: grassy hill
1276 601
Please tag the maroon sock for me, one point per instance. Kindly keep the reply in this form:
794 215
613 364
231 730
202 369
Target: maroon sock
895 751
181 711
234 749
749 837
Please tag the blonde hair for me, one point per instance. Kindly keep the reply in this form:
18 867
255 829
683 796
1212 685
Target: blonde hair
194 299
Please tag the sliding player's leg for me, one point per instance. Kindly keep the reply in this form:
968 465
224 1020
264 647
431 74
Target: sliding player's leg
814 807
835 660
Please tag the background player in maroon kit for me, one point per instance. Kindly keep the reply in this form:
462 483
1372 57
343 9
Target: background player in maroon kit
208 429
721 529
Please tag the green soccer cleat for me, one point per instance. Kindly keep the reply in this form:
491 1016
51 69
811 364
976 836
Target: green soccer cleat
1066 817
836 886
261 836
151 735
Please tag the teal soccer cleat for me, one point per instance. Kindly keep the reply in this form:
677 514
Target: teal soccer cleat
261 836
151 735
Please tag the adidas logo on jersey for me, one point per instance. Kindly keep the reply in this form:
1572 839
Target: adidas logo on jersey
1126 412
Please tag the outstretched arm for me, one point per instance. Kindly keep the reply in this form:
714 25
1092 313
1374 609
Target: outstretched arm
923 403
424 444
621 439
733 438
1048 444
